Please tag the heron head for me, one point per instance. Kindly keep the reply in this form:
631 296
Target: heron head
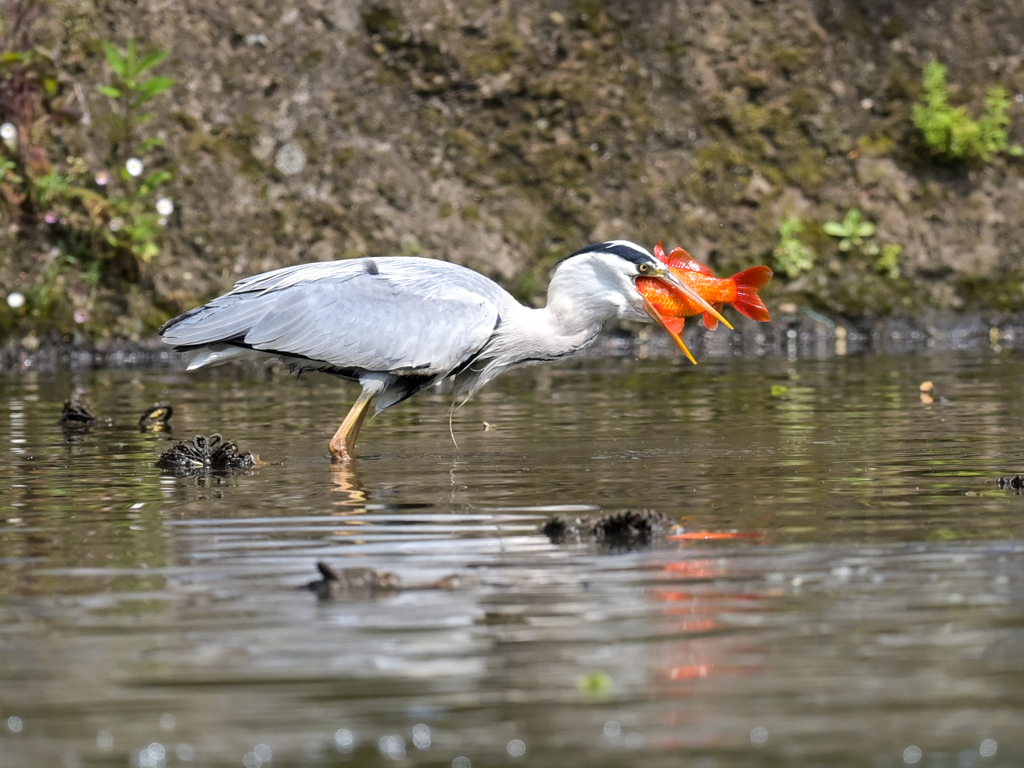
607 273
618 264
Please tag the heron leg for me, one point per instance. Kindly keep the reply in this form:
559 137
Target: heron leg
343 444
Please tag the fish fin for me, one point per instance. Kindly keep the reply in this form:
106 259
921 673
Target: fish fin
659 253
710 321
674 324
747 302
680 259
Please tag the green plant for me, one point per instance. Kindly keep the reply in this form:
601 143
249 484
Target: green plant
856 235
92 224
131 90
792 256
888 261
853 231
27 72
950 133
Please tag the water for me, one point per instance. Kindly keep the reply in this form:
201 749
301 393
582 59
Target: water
872 613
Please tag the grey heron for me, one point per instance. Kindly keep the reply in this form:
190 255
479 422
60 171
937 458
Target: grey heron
396 325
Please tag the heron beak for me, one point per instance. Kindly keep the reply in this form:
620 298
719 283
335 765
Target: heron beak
668 276
670 327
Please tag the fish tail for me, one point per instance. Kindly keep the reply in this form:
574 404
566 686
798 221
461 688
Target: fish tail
747 302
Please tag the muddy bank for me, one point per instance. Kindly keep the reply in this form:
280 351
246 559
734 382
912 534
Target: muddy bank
503 136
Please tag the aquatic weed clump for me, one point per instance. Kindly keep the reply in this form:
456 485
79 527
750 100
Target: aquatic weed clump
201 455
619 528
76 415
1016 483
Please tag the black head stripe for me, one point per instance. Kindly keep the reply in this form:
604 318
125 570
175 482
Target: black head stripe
624 249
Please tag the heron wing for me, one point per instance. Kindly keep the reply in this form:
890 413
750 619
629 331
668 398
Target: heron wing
394 315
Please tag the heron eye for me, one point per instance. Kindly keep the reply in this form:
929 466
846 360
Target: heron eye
643 269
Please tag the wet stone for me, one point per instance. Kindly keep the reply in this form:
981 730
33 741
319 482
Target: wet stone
618 528
201 455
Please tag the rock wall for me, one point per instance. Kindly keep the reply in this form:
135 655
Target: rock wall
504 134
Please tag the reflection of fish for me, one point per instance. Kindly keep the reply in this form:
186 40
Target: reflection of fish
740 291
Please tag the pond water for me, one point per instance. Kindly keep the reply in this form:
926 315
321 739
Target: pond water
870 610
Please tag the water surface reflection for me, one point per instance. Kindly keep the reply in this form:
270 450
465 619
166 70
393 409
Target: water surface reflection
877 619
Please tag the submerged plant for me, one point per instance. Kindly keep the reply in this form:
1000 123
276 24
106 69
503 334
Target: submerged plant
950 133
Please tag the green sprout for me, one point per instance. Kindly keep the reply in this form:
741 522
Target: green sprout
857 235
888 260
792 256
852 232
132 222
131 89
950 133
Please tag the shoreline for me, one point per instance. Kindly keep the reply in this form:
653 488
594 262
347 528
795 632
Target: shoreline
799 334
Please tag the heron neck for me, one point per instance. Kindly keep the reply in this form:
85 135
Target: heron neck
551 332
580 301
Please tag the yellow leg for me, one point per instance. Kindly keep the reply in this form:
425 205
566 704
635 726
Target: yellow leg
343 444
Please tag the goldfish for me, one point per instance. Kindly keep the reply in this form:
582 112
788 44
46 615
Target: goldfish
671 307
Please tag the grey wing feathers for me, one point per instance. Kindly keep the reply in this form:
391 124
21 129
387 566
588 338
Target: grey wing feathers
390 315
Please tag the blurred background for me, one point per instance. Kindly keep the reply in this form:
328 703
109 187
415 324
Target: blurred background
867 150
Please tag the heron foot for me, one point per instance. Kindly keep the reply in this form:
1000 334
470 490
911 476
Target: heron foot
340 451
343 444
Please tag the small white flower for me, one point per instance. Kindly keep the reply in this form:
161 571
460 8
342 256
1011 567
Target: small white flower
134 166
116 224
165 206
102 178
15 300
9 136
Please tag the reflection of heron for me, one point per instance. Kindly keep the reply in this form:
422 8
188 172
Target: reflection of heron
397 325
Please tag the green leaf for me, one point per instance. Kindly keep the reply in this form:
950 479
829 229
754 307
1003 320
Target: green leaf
151 60
130 66
156 85
834 228
148 251
867 229
156 179
148 145
114 58
109 91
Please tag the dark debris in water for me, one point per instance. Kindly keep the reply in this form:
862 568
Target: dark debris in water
620 528
156 419
76 415
367 583
353 583
1015 483
202 455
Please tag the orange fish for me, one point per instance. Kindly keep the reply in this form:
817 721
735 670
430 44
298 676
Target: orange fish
673 307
